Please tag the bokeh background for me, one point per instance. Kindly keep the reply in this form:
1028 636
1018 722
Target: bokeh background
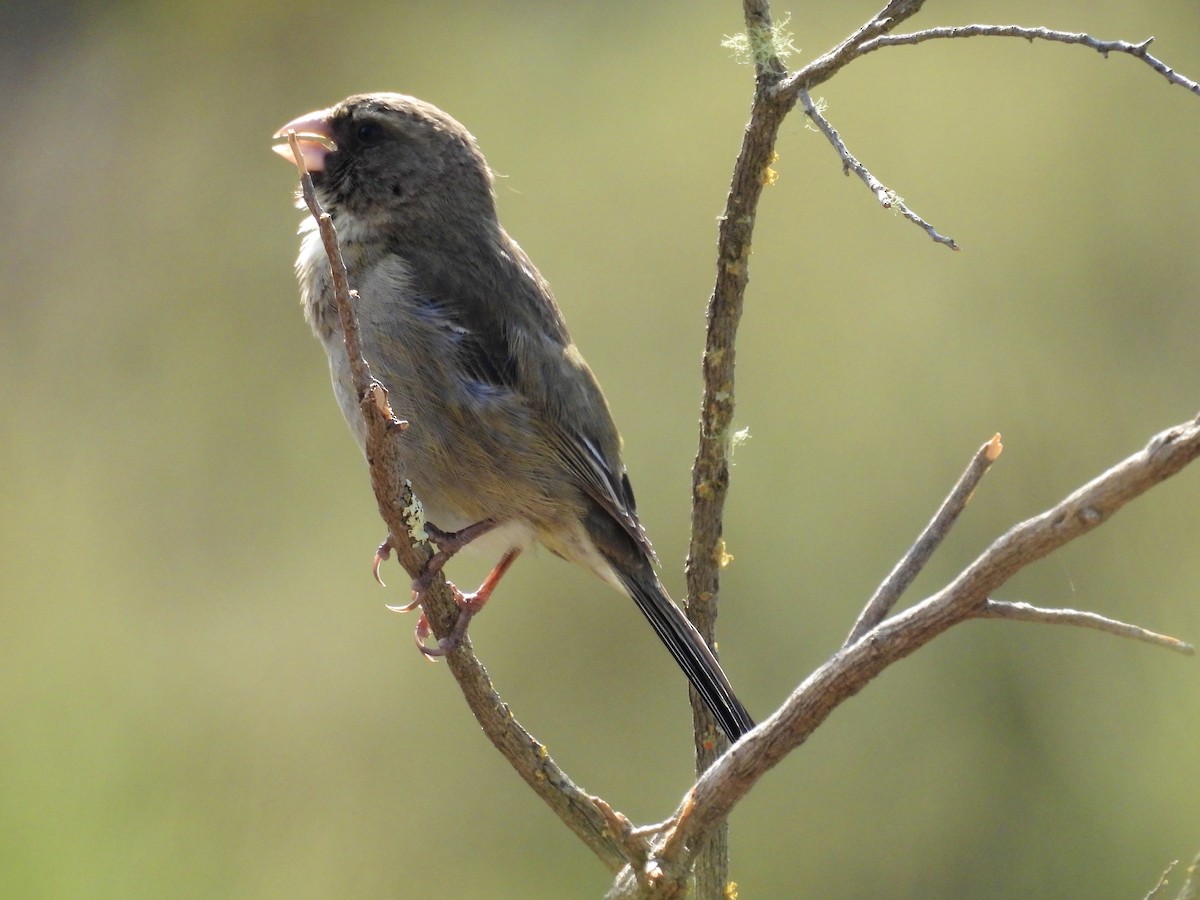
201 693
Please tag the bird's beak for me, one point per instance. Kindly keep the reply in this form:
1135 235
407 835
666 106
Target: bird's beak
315 137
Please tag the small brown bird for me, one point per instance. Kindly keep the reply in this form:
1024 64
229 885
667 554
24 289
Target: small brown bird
510 436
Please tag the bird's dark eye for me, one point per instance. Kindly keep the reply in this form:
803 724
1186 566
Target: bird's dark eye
369 133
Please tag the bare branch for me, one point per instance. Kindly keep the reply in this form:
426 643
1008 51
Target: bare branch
341 280
875 35
1159 889
1191 882
1191 885
578 810
935 532
710 470
1031 34
852 668
1024 612
775 95
887 198
829 64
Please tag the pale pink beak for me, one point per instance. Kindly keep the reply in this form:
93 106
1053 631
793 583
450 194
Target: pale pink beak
315 136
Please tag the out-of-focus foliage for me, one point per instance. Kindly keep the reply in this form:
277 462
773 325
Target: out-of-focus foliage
201 692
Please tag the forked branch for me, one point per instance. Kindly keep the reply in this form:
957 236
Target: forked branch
967 597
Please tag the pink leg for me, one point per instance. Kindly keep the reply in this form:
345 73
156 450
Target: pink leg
448 543
469 605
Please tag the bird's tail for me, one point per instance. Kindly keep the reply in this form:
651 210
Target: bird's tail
689 649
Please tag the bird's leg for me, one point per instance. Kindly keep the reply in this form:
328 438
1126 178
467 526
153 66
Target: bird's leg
448 542
468 606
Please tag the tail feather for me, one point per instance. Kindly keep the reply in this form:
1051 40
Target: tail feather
689 649
630 562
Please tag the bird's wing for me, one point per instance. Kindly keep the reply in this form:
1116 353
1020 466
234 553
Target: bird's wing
524 347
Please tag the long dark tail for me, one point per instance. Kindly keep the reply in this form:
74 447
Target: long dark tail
688 648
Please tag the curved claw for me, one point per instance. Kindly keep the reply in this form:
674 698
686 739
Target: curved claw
421 634
383 553
417 597
468 604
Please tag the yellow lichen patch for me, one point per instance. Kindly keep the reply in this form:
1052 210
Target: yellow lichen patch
770 176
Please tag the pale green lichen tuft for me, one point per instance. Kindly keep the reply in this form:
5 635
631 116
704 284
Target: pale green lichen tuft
736 440
760 45
820 105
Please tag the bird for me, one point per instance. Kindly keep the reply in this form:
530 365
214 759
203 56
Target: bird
510 441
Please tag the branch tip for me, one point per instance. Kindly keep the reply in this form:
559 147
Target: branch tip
1026 612
993 448
886 197
911 564
1104 48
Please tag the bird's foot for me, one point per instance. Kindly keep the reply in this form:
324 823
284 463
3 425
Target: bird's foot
468 606
450 542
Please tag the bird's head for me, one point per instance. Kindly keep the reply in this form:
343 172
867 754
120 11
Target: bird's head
393 160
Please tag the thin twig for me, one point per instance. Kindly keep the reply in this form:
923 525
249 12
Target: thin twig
887 198
576 808
935 532
1104 48
829 64
1025 612
360 373
1191 884
1159 889
874 36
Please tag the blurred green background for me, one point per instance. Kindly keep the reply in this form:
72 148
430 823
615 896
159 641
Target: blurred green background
201 692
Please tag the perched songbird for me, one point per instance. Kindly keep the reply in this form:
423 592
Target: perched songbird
509 432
